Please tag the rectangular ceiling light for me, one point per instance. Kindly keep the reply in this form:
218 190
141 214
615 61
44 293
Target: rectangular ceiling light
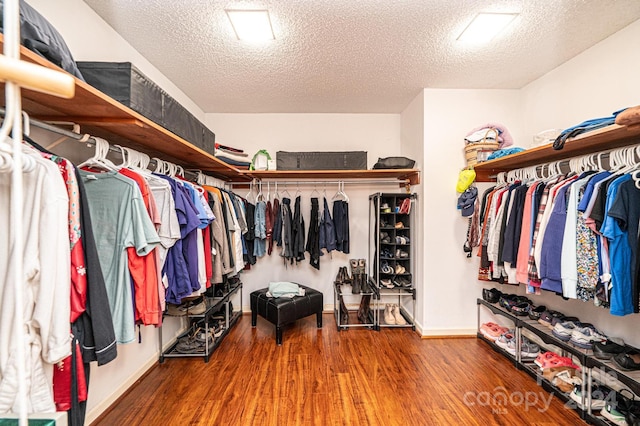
485 26
251 25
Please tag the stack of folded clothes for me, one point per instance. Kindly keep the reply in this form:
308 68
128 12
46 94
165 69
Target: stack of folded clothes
234 156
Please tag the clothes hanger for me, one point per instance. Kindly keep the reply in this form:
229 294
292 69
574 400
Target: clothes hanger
315 190
344 194
99 159
268 191
298 192
259 197
286 191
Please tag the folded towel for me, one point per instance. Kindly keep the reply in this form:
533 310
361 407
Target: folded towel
284 289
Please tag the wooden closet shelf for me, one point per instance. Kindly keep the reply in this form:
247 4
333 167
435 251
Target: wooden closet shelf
410 175
607 138
100 115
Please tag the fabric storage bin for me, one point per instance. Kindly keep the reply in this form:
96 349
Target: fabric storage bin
344 160
180 121
123 82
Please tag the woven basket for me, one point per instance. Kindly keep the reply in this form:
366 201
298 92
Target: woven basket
479 151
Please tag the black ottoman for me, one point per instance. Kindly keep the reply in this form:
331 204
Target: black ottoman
283 310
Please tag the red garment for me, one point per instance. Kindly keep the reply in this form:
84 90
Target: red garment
144 269
62 377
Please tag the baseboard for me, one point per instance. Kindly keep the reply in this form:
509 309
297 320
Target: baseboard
449 333
105 406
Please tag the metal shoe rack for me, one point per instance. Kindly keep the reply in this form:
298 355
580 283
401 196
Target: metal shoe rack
592 368
214 305
384 215
339 294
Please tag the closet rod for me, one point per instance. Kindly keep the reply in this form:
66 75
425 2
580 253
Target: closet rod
348 181
79 137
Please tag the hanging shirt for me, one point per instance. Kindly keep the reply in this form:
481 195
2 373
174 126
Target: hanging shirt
569 259
327 229
621 299
46 260
260 231
119 220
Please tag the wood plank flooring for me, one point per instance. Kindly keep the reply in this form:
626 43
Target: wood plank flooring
326 377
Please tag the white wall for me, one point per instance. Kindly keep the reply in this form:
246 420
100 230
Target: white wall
412 146
378 134
450 285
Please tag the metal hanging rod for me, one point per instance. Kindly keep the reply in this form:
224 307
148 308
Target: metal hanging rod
351 181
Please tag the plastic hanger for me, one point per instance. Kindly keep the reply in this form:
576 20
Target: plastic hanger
99 159
286 192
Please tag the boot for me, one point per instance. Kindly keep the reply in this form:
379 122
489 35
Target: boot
395 310
355 283
339 277
344 312
364 310
388 315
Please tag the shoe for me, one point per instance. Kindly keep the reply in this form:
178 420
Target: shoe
344 312
384 224
386 283
364 310
521 309
564 378
599 396
617 406
402 282
176 310
397 315
385 238
399 225
400 269
628 361
528 349
536 311
385 208
543 360
362 266
386 253
563 330
388 316
632 416
405 207
585 337
401 254
505 338
491 295
385 268
546 318
492 331
339 277
197 309
607 349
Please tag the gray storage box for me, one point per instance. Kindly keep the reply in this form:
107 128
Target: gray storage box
126 84
346 160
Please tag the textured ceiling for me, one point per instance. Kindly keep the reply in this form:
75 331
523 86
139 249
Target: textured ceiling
354 55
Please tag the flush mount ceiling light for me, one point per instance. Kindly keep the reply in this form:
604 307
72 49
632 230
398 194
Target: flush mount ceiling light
251 25
485 26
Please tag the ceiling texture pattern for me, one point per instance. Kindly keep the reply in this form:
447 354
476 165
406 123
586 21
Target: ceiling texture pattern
347 56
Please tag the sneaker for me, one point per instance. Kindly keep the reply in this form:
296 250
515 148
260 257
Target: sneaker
385 238
528 349
387 283
617 407
563 330
385 268
401 254
385 253
385 208
607 349
599 396
543 359
506 338
546 318
492 331
402 282
585 337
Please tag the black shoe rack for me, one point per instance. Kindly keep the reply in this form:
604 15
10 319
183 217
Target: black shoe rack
391 245
214 306
342 294
592 368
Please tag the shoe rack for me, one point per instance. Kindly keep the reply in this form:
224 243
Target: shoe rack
391 258
347 318
219 307
593 370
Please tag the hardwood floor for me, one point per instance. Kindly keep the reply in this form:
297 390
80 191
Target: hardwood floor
326 377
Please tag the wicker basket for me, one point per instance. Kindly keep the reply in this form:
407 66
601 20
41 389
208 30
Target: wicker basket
479 151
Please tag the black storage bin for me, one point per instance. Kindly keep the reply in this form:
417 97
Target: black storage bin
345 160
124 83
177 119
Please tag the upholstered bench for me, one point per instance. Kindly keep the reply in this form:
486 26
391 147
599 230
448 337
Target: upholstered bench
281 311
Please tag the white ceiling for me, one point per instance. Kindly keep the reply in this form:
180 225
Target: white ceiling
359 56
